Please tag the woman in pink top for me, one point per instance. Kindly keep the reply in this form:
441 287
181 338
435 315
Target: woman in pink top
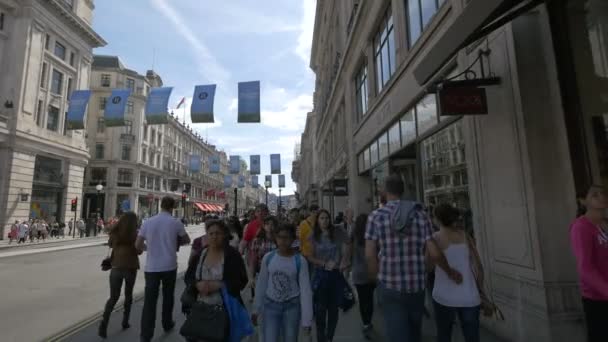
589 238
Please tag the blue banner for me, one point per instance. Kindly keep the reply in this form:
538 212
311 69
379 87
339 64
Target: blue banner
201 110
281 181
195 163
241 181
156 106
228 181
269 181
249 102
214 164
77 109
235 165
275 164
255 164
114 114
254 182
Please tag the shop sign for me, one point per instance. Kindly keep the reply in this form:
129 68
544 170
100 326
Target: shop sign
340 187
463 101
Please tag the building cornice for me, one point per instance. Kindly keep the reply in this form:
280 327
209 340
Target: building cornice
80 26
315 34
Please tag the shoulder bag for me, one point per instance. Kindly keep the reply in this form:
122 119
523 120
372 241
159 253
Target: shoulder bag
106 263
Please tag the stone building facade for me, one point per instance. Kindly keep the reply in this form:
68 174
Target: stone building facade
45 54
515 173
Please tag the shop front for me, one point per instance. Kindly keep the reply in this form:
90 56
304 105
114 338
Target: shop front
47 190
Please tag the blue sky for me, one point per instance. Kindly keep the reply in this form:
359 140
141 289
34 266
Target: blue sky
223 42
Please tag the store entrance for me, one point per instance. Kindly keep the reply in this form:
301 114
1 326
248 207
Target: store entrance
46 203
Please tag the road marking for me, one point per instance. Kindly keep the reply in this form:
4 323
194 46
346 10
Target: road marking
50 249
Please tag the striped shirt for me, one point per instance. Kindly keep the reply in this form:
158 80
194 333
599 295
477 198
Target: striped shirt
402 266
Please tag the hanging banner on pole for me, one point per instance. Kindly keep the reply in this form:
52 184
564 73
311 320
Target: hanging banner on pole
227 181
241 181
201 110
114 114
275 164
156 106
255 164
254 182
214 164
281 181
77 109
249 102
195 163
235 165
269 181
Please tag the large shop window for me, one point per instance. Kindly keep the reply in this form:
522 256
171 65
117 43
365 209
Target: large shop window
444 177
426 113
47 170
384 51
125 178
419 15
373 151
361 86
394 138
408 128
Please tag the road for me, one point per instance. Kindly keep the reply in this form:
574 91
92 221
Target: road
46 291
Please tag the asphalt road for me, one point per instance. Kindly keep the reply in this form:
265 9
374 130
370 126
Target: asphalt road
47 292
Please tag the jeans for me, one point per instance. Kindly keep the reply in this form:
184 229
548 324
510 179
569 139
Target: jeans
281 319
153 283
117 275
468 317
402 314
596 312
365 293
326 307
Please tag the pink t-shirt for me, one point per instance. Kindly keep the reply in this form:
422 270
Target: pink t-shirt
590 246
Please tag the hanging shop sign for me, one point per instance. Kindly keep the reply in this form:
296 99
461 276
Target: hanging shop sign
340 187
463 101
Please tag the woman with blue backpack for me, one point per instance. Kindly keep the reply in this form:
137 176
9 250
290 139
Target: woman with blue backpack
284 299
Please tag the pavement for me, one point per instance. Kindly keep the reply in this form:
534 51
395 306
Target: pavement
44 293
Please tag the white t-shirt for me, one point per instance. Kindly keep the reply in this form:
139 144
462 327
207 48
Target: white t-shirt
160 233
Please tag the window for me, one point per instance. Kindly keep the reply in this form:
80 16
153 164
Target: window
102 103
158 140
1 21
145 132
47 42
98 175
408 128
158 161
56 82
373 151
101 125
39 113
72 58
52 121
69 3
384 51
131 84
128 127
366 159
69 93
43 75
394 138
60 51
130 109
142 180
150 182
153 137
426 113
106 80
419 14
383 146
144 155
157 184
126 152
99 151
361 89
125 178
151 158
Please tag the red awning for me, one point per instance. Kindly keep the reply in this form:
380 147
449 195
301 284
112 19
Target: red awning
218 207
200 206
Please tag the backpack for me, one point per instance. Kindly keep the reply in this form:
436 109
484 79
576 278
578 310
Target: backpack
298 261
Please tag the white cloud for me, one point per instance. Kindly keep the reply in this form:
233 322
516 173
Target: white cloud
233 105
210 68
246 17
307 26
291 116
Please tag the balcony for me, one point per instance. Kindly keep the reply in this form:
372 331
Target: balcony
127 138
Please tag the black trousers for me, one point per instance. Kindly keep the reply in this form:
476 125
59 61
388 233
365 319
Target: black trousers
153 284
365 292
596 312
117 276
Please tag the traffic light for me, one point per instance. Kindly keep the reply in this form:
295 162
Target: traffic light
74 204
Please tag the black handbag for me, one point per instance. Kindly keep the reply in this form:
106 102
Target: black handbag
106 263
205 322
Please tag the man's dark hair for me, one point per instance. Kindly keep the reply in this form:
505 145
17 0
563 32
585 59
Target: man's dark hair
394 185
167 203
287 227
314 207
446 214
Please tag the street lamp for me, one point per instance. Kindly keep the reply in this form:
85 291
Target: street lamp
99 188
267 185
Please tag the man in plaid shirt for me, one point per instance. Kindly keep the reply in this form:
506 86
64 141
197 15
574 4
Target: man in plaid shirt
398 234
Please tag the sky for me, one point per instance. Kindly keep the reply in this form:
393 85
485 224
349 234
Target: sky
194 42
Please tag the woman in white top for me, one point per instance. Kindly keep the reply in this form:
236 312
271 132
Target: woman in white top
451 299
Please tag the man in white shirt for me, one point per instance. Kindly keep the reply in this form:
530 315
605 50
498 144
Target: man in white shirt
160 237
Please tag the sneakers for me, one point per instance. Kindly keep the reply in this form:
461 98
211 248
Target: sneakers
367 331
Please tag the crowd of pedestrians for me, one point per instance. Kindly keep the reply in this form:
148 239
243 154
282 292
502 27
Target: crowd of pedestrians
300 269
35 230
